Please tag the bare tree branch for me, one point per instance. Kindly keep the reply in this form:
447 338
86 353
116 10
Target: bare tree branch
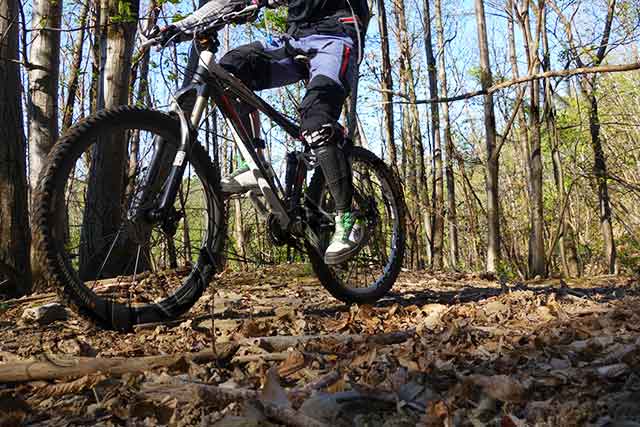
617 68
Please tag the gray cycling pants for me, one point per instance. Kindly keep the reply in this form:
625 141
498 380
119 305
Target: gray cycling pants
332 62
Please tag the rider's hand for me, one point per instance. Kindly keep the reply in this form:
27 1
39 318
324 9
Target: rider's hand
167 33
271 4
252 16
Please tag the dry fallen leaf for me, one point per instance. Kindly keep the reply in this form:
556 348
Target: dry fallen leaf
613 371
510 420
293 363
366 358
13 409
252 328
500 387
340 324
436 415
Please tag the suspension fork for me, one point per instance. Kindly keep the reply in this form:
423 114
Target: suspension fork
187 135
165 152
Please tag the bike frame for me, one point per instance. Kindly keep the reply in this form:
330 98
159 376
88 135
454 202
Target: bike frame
211 81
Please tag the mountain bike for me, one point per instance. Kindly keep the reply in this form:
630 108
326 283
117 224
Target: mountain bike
140 243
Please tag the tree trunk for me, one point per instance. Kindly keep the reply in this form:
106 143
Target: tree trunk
96 35
566 242
43 84
105 190
492 155
386 84
524 154
412 141
238 232
588 89
599 164
437 223
474 252
143 99
74 72
15 270
536 260
44 73
600 172
448 141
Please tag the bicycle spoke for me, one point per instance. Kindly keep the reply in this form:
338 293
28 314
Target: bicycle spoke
371 199
135 261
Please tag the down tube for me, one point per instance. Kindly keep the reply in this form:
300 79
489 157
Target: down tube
274 201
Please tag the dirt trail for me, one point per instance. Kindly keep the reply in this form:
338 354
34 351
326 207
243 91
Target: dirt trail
448 349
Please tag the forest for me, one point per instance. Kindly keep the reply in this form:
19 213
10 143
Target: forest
511 129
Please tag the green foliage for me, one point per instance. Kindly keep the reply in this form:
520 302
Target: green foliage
124 13
177 17
628 251
475 74
274 20
505 271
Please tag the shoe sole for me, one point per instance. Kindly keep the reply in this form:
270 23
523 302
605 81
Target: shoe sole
229 190
340 258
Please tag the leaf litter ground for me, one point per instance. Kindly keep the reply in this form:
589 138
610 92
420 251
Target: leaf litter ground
445 349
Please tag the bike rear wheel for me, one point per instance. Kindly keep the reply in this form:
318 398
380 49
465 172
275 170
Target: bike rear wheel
379 200
110 261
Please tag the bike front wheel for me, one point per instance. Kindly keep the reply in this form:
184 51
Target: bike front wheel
110 260
379 201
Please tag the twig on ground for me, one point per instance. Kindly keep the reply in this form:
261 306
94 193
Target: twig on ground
80 366
270 357
281 343
290 417
32 298
317 384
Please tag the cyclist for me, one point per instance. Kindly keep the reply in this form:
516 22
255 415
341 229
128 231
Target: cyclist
322 44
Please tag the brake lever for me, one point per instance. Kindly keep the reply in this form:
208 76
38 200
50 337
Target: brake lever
152 38
233 15
148 42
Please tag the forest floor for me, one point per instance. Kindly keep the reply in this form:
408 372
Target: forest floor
444 349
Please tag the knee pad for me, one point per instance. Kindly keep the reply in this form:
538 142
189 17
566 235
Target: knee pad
335 167
322 103
327 134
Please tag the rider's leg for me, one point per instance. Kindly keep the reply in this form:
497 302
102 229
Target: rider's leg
320 112
242 179
331 70
259 66
321 108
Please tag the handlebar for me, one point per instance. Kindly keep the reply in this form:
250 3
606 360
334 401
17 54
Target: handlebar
162 39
